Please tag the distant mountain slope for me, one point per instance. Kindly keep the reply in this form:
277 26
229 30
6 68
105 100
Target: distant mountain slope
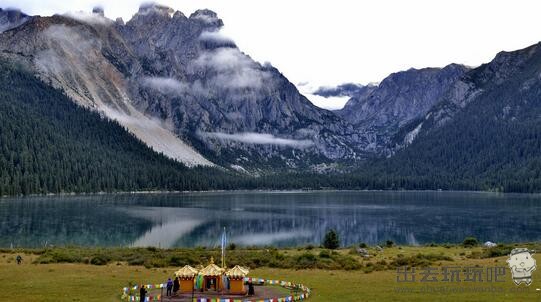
74 56
485 133
48 144
379 113
181 87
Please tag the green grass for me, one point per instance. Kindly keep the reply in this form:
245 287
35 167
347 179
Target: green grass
33 281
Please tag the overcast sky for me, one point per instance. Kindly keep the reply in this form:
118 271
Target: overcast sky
331 42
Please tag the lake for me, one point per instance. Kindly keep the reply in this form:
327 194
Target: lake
268 218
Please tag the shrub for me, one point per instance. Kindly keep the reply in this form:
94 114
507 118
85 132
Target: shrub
389 243
499 251
347 262
177 261
99 260
136 260
419 260
306 260
324 254
331 240
368 268
470 242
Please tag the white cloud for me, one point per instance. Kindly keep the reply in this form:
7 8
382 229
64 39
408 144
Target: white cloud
258 139
330 103
89 18
233 69
224 59
215 36
149 7
165 85
174 87
205 18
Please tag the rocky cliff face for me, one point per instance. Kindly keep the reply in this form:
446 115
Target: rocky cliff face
181 87
485 132
381 112
11 18
87 58
218 97
187 91
503 73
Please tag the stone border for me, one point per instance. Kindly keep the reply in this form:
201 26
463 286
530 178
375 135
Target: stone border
128 292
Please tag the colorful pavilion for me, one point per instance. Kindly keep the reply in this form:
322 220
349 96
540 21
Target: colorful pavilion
186 276
236 280
212 277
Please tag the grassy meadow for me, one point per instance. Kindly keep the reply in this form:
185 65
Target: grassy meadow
86 274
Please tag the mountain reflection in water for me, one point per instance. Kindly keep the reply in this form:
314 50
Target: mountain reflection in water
267 218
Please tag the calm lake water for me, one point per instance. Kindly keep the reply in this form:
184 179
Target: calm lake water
268 218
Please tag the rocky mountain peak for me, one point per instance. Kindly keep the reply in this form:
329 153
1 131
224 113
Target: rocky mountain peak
179 15
204 13
154 8
403 96
98 10
11 18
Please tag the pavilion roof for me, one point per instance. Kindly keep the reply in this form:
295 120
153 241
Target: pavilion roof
211 270
186 271
237 271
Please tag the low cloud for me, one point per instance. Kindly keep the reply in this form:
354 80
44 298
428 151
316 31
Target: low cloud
258 139
173 87
148 8
89 18
347 89
224 69
164 85
329 103
230 68
224 60
216 36
334 97
209 18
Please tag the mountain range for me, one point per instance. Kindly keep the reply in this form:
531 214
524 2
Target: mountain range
178 86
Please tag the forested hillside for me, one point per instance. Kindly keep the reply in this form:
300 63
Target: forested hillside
493 143
50 145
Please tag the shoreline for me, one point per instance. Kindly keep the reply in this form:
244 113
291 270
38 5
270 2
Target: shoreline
267 248
165 192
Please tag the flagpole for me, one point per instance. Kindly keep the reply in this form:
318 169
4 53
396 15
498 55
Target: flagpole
223 248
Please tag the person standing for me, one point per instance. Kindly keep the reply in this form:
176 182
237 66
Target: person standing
19 259
176 286
251 290
142 293
169 287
